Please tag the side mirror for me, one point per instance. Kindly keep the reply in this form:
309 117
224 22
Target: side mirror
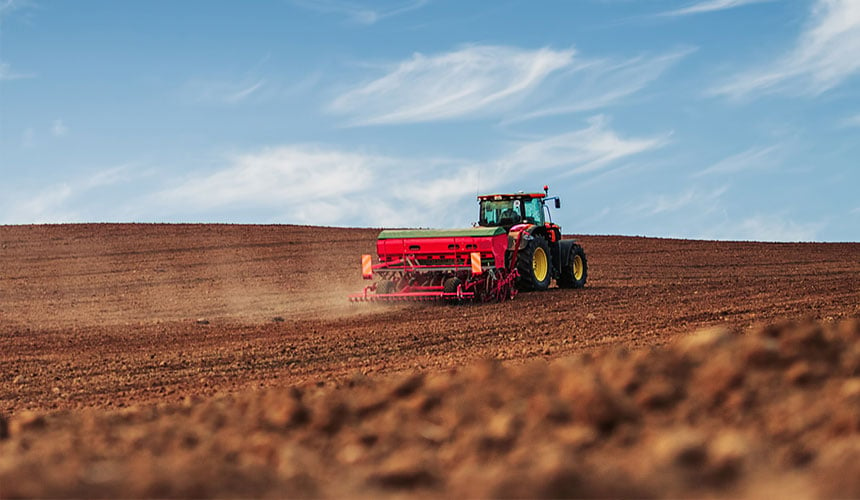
557 203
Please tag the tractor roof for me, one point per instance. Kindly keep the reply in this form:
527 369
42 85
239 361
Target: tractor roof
510 196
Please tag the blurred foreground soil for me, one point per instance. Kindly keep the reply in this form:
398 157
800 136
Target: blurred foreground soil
772 412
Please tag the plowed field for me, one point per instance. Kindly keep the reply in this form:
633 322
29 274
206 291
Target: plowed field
162 360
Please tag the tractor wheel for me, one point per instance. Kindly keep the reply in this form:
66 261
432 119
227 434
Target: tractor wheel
385 286
450 286
535 265
574 274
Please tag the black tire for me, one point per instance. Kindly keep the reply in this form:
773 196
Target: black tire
385 286
450 286
534 275
575 271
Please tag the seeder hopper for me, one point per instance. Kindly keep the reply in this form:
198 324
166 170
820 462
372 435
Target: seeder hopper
514 247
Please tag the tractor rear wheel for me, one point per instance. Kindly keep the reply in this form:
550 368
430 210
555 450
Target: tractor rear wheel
574 274
535 265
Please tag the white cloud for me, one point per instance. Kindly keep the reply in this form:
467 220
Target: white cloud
596 84
219 92
109 177
705 201
252 85
311 184
242 94
580 151
358 13
7 73
499 81
705 6
47 206
824 56
767 228
475 79
320 185
58 128
757 158
234 90
7 7
315 184
284 176
59 202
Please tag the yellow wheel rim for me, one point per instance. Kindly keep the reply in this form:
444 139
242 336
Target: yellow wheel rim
539 264
578 268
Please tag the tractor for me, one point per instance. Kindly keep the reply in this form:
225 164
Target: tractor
514 247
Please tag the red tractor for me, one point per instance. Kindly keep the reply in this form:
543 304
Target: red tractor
515 246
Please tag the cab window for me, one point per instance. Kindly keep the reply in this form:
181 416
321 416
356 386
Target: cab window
533 211
500 212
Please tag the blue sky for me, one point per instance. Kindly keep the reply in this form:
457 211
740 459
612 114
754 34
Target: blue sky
715 119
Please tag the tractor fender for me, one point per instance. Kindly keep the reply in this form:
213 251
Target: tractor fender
528 231
514 233
564 247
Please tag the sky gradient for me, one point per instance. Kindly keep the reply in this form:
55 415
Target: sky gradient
714 119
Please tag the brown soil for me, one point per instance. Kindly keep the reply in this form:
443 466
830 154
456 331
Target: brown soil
132 357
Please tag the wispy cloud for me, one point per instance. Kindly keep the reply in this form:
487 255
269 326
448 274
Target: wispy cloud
253 85
231 90
220 92
242 94
705 201
49 205
705 6
596 84
7 73
359 13
7 7
475 79
313 184
824 56
323 185
758 158
767 227
497 81
293 175
61 201
578 152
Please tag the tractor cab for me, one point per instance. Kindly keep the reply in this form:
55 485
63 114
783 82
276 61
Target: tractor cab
508 210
